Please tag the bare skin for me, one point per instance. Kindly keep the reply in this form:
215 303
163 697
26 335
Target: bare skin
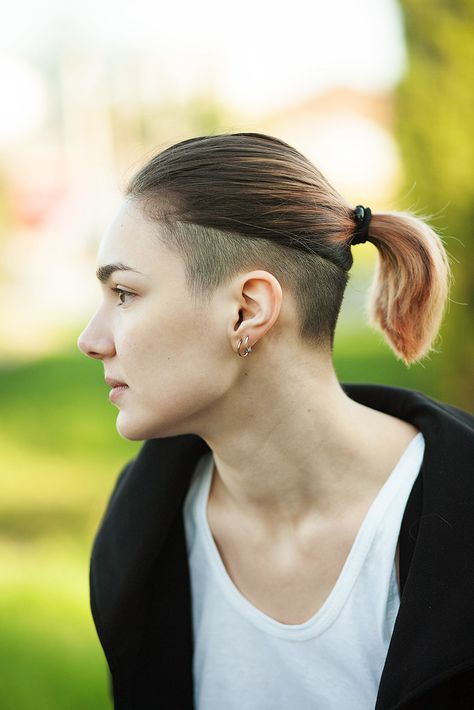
297 461
290 576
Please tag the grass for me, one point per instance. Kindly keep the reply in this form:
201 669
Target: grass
49 653
61 454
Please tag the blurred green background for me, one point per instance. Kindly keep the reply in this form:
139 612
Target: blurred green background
59 448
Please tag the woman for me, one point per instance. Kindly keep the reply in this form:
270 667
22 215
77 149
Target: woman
281 540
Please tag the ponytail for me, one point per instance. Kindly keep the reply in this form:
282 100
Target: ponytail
410 288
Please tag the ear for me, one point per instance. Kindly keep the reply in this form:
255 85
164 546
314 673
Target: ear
257 303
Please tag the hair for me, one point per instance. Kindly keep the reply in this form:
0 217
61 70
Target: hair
236 201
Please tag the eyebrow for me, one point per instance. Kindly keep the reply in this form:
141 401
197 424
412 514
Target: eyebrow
103 273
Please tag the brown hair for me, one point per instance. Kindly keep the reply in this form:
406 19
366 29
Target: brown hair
238 201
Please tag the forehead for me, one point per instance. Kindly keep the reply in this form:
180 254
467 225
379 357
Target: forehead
128 235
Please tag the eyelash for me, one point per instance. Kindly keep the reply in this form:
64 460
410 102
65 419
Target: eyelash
121 291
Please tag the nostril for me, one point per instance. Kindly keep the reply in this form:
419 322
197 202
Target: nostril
92 353
87 350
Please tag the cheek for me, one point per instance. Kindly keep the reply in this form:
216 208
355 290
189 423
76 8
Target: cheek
138 339
177 366
176 397
157 351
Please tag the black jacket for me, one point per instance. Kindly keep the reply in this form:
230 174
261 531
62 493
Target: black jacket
140 583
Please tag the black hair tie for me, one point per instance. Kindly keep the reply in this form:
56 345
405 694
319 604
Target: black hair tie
362 215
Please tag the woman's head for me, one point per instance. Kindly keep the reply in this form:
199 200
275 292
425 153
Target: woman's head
240 235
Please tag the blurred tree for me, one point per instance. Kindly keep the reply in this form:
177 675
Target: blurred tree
434 126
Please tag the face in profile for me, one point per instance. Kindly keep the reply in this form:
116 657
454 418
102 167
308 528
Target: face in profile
172 355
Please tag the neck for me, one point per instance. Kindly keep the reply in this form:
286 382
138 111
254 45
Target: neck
303 448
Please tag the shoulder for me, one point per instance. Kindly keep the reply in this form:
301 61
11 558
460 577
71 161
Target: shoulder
411 405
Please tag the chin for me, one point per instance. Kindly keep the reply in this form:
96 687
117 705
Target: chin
135 428
131 431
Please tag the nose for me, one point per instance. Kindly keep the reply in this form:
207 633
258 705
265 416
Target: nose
96 342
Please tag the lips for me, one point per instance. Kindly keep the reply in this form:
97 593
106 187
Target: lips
115 383
118 389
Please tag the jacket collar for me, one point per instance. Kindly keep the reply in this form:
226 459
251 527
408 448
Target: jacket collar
437 544
429 640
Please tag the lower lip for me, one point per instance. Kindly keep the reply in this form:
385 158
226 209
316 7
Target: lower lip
116 392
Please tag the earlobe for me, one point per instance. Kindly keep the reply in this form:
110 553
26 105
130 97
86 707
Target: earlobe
246 345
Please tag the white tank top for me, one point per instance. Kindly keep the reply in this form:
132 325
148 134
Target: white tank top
246 660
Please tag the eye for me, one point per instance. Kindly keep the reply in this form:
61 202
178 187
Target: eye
121 292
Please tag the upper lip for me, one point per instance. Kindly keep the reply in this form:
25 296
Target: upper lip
115 383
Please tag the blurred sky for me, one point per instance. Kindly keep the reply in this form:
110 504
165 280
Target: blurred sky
76 80
256 55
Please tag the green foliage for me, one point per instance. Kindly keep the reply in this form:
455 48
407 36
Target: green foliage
62 399
60 456
49 653
434 119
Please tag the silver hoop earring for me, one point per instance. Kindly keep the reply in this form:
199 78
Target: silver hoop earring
248 349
